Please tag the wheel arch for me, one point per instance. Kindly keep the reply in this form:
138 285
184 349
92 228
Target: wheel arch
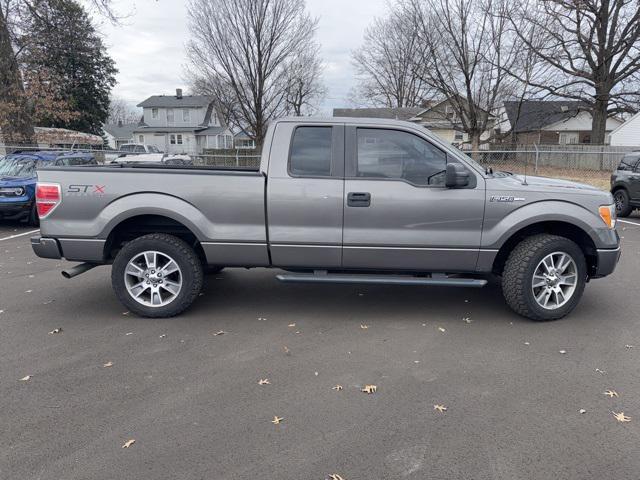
136 226
554 227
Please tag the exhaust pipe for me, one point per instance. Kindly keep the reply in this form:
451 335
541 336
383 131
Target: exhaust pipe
78 269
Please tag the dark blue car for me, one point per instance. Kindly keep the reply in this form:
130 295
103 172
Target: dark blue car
18 180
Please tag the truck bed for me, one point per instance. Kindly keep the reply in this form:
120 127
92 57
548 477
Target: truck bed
223 208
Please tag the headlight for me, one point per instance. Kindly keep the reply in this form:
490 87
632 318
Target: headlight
608 215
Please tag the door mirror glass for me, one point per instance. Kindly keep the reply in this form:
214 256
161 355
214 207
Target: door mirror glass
456 176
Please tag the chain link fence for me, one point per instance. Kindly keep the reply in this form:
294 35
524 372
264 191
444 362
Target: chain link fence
581 163
589 164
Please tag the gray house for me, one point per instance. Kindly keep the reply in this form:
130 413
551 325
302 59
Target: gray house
182 124
117 134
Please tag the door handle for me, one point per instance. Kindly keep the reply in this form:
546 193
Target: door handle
359 199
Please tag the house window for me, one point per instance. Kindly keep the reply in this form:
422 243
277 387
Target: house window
170 115
140 138
175 139
154 113
186 115
214 118
211 141
458 137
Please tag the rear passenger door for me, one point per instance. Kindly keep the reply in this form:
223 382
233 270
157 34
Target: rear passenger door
305 189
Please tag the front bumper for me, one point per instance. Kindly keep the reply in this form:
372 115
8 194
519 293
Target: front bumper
607 261
15 210
46 247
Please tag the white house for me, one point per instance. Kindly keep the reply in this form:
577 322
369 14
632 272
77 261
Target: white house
627 134
182 124
117 134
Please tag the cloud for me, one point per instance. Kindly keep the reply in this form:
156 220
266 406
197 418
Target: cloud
149 45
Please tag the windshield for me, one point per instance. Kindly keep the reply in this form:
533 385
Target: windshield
21 167
153 149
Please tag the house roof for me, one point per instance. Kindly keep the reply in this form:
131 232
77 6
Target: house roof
211 131
120 131
171 101
146 128
389 113
532 115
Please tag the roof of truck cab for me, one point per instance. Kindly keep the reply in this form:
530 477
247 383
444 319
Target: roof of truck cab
349 120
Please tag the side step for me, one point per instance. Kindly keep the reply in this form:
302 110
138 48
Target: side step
434 280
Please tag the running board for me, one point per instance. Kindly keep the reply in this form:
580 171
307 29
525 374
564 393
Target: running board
434 280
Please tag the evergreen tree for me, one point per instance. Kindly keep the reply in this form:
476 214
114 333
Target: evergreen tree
63 43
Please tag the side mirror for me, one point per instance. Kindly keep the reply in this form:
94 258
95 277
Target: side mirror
456 176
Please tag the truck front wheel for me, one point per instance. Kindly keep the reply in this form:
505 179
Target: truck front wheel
544 277
157 275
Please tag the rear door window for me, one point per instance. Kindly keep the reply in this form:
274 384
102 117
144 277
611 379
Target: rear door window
311 152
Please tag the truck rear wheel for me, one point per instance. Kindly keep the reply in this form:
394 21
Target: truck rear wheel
157 275
544 277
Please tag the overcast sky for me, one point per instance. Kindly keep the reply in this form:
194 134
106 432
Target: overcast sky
149 45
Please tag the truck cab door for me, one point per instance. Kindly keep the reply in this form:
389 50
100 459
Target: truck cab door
305 188
398 214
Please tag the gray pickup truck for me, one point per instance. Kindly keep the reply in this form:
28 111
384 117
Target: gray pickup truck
334 200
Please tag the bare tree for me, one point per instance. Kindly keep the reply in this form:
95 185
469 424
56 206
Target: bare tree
467 52
122 111
386 66
590 50
303 83
246 45
221 93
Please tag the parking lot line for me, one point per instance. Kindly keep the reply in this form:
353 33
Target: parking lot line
630 223
19 235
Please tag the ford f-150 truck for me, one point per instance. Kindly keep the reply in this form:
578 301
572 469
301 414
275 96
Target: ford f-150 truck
333 200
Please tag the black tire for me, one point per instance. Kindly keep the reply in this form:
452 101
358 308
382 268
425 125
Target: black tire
187 260
622 202
212 270
517 277
33 219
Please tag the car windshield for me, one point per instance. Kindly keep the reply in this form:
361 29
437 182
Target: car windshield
21 167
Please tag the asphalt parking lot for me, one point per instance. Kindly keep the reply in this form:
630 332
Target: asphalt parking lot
192 402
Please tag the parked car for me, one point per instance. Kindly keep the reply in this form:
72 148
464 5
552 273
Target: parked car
139 153
18 180
625 184
333 201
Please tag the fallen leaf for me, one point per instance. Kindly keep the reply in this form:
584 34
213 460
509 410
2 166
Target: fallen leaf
128 333
164 335
315 373
26 379
611 393
264 381
337 388
441 329
527 343
108 364
563 352
286 350
292 325
621 417
628 347
440 408
128 443
276 420
582 411
28 291
467 320
364 327
126 313
262 319
335 476
600 371
217 334
369 389
55 330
